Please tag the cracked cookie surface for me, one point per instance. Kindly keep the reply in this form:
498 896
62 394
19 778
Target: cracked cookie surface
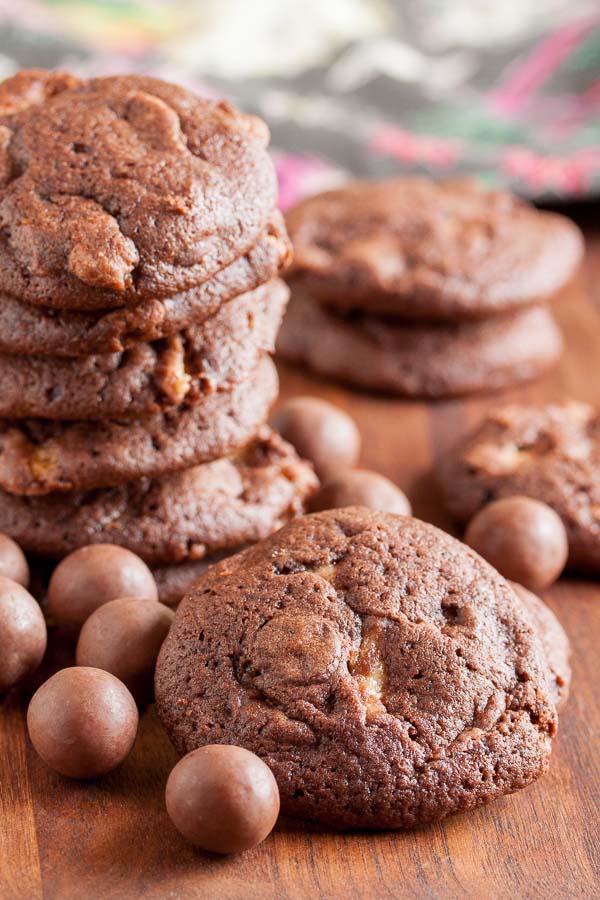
419 359
555 643
550 452
415 248
188 366
190 515
39 456
120 188
385 672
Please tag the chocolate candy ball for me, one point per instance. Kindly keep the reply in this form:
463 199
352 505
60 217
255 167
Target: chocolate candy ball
93 575
22 633
522 538
320 432
222 798
360 487
13 564
124 637
82 722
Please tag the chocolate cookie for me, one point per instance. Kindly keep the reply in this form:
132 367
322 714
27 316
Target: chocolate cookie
415 248
39 331
419 360
188 515
385 672
550 452
554 642
186 367
38 456
117 189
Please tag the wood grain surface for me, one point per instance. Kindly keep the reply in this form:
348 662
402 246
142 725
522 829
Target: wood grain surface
111 839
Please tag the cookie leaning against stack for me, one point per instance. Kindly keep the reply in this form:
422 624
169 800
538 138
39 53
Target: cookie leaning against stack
425 289
139 300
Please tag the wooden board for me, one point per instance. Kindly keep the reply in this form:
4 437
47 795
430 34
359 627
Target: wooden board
112 840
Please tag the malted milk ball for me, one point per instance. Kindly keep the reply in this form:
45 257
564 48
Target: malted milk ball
361 487
524 539
22 633
124 637
94 575
222 798
320 432
82 722
13 563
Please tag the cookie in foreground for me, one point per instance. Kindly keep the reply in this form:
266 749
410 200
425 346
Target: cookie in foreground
554 641
385 672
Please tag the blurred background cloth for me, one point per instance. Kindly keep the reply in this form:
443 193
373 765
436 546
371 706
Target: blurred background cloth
508 91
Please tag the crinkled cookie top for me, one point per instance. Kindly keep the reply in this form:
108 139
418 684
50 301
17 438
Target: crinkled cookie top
418 248
118 188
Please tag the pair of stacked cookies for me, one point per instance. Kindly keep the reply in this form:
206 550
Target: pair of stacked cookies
139 253
427 289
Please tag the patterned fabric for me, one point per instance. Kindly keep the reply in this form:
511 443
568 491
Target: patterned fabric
506 91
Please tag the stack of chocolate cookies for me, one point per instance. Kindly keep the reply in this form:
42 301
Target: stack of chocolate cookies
425 289
139 253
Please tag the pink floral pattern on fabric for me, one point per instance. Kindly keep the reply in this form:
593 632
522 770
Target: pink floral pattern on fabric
510 94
